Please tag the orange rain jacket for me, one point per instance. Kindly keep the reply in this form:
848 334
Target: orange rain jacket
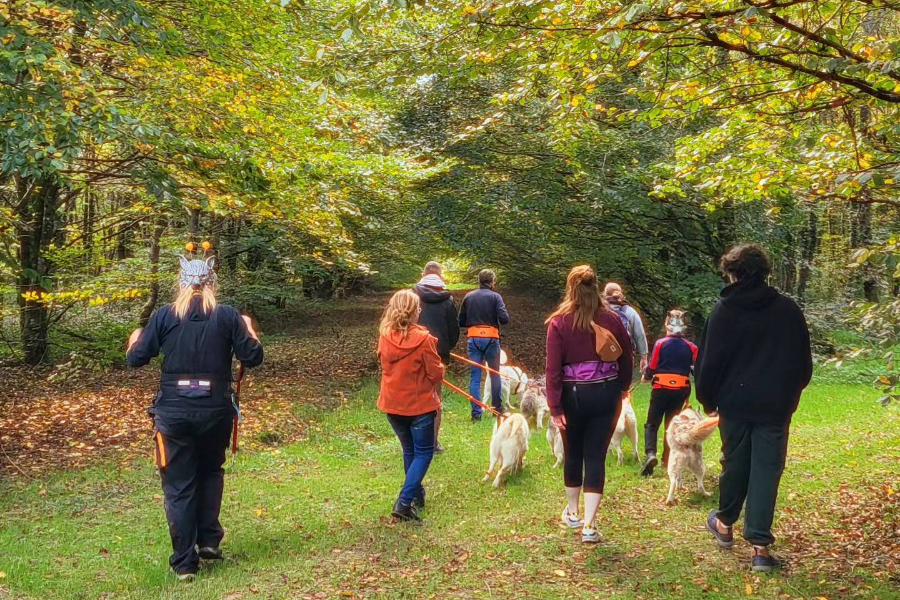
411 370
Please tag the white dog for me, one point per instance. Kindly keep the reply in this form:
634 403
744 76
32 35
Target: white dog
686 434
512 384
626 427
554 438
534 401
509 444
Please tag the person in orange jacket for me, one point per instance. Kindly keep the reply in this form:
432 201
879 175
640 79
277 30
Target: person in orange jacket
411 371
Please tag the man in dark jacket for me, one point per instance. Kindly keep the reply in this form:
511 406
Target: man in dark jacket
755 360
440 318
482 313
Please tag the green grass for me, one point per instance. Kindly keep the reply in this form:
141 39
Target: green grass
308 520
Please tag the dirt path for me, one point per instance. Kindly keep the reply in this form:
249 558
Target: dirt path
319 355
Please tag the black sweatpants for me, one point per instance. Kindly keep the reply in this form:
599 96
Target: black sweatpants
190 454
592 410
663 404
753 456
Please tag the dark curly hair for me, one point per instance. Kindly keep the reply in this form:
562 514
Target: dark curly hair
747 261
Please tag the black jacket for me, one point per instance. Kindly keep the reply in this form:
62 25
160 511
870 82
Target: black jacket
196 350
755 357
483 306
439 317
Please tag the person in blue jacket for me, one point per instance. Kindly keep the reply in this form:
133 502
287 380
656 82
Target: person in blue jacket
670 373
193 412
481 314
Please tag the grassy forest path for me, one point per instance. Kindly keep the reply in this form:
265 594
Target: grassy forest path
305 505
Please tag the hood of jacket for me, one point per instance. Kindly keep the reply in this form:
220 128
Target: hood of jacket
748 295
431 294
395 347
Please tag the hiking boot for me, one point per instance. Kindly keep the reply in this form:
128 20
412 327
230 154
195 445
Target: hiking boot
724 540
210 553
764 563
569 520
591 535
419 500
186 576
649 465
438 449
406 512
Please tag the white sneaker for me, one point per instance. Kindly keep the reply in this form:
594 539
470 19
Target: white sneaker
590 535
186 576
569 520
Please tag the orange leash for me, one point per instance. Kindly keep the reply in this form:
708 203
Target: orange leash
490 409
485 367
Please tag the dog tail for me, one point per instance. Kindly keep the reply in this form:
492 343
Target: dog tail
702 431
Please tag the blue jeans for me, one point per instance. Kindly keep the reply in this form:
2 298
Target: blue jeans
485 350
416 435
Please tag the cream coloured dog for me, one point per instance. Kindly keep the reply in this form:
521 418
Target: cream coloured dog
509 444
554 438
686 434
534 402
512 384
626 427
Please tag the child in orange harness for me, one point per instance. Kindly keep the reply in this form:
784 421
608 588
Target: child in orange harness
670 372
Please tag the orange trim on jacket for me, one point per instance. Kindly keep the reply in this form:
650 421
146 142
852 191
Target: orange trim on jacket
410 372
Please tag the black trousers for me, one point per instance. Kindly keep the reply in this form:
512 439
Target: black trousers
190 454
753 456
664 404
592 410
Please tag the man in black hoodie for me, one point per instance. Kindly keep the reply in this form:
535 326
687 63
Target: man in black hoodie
755 360
440 318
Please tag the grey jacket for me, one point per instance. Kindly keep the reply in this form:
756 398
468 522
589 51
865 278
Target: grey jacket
632 321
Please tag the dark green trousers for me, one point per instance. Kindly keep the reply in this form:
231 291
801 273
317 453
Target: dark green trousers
753 457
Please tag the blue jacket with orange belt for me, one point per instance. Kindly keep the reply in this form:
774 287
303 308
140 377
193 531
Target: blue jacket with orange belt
672 355
484 307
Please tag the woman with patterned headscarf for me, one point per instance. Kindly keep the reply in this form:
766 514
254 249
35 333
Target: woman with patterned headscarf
194 409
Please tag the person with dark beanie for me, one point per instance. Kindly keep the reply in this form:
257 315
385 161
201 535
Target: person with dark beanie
755 360
482 313
439 317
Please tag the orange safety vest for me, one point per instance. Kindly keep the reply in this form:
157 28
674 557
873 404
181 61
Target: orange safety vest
483 331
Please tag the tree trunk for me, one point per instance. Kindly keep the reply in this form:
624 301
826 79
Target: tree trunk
37 232
860 237
147 310
809 247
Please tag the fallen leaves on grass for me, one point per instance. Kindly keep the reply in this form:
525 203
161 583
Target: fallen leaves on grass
859 530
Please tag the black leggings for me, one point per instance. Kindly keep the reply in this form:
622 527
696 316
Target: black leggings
592 410
664 404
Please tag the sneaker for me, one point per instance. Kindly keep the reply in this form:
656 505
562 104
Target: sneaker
419 501
649 465
764 563
476 418
438 449
569 520
405 512
724 540
210 553
590 535
189 576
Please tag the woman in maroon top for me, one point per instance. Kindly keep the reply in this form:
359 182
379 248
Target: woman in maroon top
584 392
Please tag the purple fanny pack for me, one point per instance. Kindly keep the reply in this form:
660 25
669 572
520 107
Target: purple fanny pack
590 371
